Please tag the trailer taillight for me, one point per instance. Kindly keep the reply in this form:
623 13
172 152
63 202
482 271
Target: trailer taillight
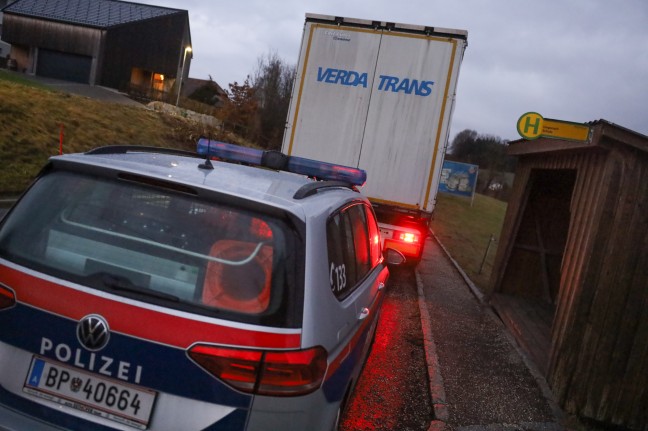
7 298
409 237
278 373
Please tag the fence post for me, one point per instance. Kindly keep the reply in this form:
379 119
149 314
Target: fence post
490 241
61 135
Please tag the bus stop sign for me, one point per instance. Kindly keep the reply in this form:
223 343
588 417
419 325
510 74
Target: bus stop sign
532 126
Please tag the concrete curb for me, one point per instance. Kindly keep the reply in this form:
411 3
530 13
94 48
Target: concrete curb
435 379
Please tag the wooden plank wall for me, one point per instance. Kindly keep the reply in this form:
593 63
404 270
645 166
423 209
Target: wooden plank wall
599 360
74 39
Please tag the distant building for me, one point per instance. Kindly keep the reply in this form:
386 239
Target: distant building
4 47
116 44
205 91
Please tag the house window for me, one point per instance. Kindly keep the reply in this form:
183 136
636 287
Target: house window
158 81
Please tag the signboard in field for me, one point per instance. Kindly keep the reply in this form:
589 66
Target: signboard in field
458 178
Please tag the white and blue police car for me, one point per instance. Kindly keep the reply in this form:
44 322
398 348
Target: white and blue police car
228 289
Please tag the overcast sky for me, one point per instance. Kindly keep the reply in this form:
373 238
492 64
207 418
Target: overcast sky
572 60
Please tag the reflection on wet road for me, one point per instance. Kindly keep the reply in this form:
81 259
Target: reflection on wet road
392 392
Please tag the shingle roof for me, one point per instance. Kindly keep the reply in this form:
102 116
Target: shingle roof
94 13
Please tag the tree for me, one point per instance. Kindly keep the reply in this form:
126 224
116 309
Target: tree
487 151
240 112
272 83
463 145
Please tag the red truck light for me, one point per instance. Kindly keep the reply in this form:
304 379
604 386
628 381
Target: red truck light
278 373
408 237
410 244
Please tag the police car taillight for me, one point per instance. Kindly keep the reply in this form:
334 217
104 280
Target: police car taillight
275 373
7 298
280 161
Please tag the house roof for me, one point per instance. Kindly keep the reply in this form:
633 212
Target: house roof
92 13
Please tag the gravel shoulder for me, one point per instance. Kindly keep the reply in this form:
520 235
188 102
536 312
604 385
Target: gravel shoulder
488 385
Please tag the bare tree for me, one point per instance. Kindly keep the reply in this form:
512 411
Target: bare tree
272 83
240 113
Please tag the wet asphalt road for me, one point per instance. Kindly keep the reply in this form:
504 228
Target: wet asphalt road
392 392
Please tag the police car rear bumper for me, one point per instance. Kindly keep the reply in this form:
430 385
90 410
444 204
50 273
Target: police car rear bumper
11 420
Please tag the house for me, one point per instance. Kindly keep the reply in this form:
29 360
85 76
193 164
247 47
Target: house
204 91
116 44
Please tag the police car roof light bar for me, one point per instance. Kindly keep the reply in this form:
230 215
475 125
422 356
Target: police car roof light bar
296 165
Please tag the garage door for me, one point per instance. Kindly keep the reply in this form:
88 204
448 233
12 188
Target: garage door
62 65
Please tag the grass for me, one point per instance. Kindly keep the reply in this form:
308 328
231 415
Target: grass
31 117
18 79
466 231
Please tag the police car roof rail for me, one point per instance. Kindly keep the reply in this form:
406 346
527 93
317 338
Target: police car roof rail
123 149
312 188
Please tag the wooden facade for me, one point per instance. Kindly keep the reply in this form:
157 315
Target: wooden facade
154 45
58 36
571 273
114 52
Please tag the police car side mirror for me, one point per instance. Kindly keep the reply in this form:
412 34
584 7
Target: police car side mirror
394 257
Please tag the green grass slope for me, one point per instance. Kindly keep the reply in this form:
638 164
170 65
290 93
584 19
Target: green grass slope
466 230
31 116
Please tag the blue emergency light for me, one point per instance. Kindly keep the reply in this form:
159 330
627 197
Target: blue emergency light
280 161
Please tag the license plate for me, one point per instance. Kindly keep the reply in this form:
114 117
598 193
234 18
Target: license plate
108 398
386 233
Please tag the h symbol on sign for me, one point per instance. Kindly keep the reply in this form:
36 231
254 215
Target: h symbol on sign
535 125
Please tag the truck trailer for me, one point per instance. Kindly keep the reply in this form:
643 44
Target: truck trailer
379 96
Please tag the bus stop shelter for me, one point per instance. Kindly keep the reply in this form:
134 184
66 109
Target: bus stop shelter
570 278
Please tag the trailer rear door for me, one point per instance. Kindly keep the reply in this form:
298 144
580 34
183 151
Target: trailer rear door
405 134
378 97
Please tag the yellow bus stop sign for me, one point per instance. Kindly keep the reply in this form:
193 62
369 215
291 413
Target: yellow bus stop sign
532 126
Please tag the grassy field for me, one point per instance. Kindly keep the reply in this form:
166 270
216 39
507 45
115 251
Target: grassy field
466 232
31 116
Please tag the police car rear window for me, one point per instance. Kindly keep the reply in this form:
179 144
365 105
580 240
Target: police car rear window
155 245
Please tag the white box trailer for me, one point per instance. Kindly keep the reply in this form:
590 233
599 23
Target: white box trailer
379 96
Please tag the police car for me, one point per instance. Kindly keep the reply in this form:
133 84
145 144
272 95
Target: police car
147 288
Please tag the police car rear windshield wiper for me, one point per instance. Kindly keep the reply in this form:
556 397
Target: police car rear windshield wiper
123 284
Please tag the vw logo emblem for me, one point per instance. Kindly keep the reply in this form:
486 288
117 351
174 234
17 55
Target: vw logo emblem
93 332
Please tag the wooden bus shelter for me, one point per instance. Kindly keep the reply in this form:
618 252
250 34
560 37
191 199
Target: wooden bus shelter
570 277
